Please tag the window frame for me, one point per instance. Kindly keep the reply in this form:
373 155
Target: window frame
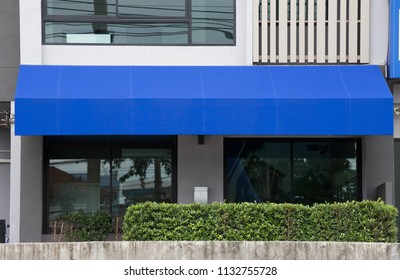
106 142
187 19
292 141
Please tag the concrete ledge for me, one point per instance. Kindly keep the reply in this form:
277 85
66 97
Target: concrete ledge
200 250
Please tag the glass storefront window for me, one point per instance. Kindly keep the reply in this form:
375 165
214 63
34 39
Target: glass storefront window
111 177
324 172
140 175
259 172
77 181
289 171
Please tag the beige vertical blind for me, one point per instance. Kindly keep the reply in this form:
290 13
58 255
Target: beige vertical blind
311 31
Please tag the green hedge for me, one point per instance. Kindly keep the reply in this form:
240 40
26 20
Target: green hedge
85 226
367 221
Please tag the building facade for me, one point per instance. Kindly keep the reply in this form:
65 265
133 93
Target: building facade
119 102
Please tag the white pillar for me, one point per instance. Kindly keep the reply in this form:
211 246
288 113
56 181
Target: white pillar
15 184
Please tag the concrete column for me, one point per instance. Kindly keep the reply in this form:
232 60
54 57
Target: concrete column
26 192
377 163
200 165
249 31
31 189
30 13
15 185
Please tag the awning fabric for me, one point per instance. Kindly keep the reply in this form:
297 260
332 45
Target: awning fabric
203 100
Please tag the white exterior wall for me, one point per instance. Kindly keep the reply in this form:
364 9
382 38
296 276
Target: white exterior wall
379 31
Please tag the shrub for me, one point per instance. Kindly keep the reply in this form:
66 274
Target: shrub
86 226
352 221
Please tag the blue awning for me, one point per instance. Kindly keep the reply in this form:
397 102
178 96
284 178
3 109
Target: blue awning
203 100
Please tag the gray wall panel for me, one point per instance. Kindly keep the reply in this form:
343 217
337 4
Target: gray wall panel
31 189
200 165
8 78
377 163
9 48
5 192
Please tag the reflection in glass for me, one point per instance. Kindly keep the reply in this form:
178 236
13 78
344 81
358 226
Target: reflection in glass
129 33
91 179
81 7
324 172
77 184
141 175
300 172
212 21
152 8
259 172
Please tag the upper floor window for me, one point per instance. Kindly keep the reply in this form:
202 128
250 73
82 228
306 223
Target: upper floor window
139 22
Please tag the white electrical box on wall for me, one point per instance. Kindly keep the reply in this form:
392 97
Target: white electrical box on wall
201 195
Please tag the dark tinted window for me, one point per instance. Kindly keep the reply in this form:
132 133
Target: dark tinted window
111 175
290 171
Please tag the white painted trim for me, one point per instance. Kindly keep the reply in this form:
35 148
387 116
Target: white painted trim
293 32
332 32
310 31
264 32
302 31
272 32
255 40
364 31
343 32
353 12
15 182
321 31
283 30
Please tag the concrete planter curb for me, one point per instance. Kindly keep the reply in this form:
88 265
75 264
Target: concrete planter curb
200 250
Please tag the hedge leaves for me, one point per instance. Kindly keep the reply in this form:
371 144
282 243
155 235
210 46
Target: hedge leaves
366 221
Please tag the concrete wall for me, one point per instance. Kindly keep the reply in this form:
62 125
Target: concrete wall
377 163
200 165
32 189
201 250
397 181
4 169
5 192
26 195
9 48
